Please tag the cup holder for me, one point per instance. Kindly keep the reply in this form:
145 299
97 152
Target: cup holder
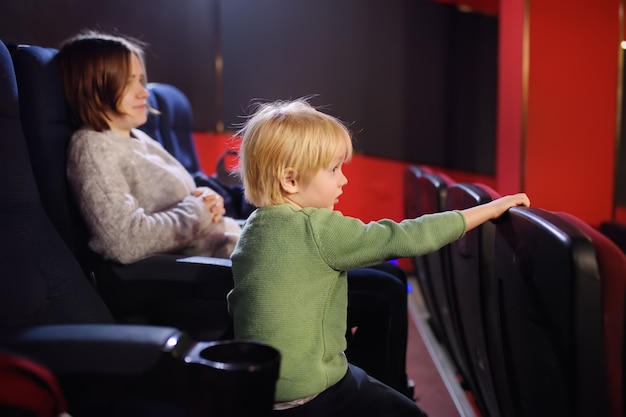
238 376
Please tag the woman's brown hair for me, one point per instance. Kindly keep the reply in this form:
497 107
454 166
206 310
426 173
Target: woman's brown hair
96 68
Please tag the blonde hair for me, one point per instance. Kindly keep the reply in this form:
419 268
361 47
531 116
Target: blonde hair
287 134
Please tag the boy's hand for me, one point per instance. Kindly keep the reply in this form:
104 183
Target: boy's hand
477 215
502 204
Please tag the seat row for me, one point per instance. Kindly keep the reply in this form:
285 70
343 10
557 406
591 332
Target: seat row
121 339
530 307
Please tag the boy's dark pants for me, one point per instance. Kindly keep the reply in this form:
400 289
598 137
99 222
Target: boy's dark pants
377 308
357 394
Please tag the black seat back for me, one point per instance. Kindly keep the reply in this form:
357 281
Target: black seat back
611 270
412 208
418 200
472 289
41 282
550 301
45 114
432 188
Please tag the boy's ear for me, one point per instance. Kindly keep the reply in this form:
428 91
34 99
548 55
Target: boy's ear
288 181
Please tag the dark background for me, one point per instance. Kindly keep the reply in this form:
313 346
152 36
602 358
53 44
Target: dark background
415 80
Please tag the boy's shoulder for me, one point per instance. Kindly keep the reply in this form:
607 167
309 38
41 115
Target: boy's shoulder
288 210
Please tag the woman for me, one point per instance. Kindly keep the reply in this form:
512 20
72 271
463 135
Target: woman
136 199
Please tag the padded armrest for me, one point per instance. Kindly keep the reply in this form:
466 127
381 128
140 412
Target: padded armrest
107 349
188 293
123 369
211 277
177 268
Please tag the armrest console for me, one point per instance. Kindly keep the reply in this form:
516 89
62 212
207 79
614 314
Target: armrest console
99 348
171 290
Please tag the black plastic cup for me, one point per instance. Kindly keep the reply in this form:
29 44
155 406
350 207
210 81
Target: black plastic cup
239 377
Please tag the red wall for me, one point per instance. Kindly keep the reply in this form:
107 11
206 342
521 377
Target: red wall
572 106
562 123
511 99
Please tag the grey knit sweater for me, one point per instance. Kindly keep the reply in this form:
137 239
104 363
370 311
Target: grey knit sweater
136 199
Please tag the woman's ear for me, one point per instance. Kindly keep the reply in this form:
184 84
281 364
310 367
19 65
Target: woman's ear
288 181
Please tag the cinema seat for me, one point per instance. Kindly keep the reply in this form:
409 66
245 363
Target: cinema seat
425 192
175 125
171 126
552 317
610 268
472 288
169 290
416 203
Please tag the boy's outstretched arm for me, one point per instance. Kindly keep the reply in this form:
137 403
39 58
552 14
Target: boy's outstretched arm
477 215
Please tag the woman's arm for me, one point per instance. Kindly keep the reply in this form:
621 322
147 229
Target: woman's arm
122 229
212 200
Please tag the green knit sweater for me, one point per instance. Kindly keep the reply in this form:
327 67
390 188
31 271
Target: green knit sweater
289 268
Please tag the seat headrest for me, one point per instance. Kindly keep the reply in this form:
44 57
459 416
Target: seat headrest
41 68
17 185
8 86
